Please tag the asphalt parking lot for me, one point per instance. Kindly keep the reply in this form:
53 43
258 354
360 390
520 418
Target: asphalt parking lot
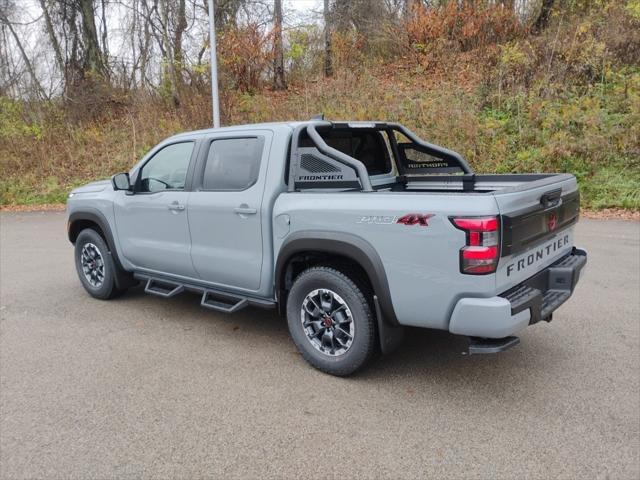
146 387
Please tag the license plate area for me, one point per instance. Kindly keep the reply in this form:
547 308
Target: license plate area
548 289
517 268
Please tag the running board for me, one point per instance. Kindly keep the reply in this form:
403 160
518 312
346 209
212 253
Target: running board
491 345
222 302
212 299
162 288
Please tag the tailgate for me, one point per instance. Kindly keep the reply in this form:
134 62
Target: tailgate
537 226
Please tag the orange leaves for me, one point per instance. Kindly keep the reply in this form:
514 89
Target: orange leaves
463 27
246 54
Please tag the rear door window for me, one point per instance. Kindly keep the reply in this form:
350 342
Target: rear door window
232 163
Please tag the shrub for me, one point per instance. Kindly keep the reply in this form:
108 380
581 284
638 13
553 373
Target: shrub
246 56
462 27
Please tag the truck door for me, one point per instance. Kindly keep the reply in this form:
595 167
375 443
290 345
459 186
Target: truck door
225 210
152 220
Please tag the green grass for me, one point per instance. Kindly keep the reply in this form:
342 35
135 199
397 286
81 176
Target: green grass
30 191
612 187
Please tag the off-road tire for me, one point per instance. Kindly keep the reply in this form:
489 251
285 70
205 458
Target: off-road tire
107 288
363 345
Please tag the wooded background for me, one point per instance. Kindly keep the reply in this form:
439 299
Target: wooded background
88 86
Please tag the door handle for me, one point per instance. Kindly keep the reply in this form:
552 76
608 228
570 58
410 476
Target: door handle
551 199
175 206
245 210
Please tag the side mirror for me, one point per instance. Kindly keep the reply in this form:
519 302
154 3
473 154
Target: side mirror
121 181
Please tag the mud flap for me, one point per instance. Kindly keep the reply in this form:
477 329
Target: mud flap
390 336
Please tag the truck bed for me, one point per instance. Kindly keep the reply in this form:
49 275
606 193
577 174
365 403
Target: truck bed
488 183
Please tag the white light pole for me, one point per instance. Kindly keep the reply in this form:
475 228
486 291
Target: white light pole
214 67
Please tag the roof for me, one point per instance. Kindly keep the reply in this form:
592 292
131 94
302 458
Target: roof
250 126
291 124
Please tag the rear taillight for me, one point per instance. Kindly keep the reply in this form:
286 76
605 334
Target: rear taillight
481 253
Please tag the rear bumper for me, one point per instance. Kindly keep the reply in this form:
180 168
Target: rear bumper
533 300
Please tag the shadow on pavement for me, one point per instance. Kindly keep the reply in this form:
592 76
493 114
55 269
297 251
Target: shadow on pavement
425 355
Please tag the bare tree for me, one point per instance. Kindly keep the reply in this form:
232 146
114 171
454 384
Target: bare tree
181 26
104 37
278 49
328 62
169 72
25 58
55 44
92 54
158 45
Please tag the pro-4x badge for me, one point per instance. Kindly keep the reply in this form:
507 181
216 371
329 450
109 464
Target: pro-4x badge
421 219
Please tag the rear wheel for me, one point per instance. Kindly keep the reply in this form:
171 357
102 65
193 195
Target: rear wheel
330 321
95 266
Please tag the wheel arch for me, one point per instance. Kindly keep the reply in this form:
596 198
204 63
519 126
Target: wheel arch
334 245
78 221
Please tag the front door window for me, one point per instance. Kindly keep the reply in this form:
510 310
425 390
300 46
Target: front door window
167 170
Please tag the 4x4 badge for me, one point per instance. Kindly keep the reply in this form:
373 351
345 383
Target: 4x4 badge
421 219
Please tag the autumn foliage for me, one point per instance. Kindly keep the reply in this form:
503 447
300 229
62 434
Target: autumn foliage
461 28
468 75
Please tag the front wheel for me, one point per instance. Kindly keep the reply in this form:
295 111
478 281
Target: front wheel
95 266
330 321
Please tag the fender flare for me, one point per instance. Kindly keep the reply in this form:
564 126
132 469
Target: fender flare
97 217
347 245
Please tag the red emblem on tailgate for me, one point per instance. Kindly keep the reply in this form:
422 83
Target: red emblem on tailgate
552 221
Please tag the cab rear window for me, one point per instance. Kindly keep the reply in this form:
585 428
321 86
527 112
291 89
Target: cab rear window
368 146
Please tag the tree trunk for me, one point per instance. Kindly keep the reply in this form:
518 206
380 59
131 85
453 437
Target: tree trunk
543 18
169 65
328 64
181 26
73 65
7 79
278 49
54 42
105 45
93 61
144 43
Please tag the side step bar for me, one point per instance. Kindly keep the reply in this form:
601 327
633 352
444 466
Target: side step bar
491 345
217 301
163 289
212 299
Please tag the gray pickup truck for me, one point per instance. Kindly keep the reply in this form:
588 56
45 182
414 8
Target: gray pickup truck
353 230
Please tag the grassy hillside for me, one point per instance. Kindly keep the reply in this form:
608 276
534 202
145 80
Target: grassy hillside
564 100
